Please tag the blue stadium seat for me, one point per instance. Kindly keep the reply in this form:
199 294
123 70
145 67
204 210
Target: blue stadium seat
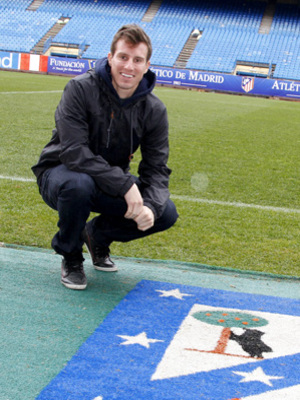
230 30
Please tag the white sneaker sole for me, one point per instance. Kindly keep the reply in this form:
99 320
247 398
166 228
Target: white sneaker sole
73 286
106 269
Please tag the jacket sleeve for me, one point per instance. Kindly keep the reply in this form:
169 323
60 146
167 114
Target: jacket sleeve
153 170
72 126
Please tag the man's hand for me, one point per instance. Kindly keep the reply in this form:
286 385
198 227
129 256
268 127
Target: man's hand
134 202
142 215
145 219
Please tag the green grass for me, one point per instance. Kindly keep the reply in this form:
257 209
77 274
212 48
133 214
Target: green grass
222 148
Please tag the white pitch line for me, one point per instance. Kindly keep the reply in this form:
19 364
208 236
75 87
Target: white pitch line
235 204
17 178
194 199
33 92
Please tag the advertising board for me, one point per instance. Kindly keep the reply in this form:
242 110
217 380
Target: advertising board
9 60
227 83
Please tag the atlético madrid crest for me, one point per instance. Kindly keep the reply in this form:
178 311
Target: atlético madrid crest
247 84
175 342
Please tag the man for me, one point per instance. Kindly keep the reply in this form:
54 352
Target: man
103 117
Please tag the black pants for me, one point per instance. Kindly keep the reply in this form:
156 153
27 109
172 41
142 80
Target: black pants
74 195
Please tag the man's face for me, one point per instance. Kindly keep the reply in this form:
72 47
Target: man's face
128 65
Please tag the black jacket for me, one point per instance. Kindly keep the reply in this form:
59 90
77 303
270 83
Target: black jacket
97 133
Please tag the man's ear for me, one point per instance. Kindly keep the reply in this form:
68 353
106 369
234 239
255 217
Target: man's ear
109 57
147 66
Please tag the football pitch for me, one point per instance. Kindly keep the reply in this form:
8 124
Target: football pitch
235 179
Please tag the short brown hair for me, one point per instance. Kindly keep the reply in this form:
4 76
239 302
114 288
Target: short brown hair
133 34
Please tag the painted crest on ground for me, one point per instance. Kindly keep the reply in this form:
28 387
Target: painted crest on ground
166 341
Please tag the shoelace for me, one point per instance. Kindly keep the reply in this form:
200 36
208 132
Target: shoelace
101 252
71 266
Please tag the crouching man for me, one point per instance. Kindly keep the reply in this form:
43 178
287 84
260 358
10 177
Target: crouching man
103 117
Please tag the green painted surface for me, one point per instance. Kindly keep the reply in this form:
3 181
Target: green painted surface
43 324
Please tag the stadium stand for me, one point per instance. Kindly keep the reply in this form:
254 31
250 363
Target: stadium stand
231 31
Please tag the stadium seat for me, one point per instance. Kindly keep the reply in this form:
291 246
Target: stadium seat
230 30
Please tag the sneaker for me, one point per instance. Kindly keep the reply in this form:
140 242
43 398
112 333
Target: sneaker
72 274
99 255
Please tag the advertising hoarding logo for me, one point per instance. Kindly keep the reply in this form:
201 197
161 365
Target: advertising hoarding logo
247 84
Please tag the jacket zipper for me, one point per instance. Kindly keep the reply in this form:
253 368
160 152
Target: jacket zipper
131 135
109 129
112 115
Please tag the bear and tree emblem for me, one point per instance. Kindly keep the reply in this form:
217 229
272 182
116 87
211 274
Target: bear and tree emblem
250 340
